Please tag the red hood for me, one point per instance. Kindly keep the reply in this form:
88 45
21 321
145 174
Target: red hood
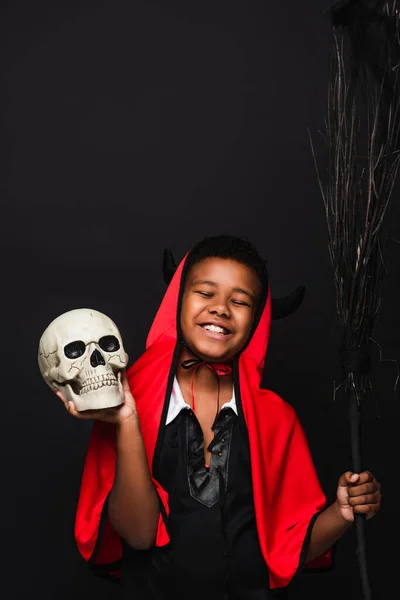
164 326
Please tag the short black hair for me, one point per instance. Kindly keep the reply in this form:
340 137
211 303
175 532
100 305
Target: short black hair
229 246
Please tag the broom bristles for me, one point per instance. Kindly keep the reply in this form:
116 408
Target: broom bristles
362 141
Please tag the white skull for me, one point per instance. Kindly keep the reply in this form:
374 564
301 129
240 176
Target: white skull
81 353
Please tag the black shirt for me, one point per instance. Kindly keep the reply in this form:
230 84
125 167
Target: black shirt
214 552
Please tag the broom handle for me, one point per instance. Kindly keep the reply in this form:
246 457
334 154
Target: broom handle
359 519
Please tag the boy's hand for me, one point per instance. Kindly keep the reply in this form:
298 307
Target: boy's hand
115 415
358 493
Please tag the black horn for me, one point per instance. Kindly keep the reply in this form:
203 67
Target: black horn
283 307
169 266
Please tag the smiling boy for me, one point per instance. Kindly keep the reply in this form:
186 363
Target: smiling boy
202 485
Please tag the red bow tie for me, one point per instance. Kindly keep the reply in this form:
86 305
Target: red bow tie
220 369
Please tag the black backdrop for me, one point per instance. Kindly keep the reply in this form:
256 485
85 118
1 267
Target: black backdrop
131 126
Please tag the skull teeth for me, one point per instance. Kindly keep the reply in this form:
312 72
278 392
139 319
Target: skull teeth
94 383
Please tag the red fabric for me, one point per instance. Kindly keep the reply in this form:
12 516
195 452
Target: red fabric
287 492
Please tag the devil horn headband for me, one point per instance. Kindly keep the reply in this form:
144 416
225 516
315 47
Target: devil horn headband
281 307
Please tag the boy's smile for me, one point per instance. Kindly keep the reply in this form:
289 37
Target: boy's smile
216 331
218 307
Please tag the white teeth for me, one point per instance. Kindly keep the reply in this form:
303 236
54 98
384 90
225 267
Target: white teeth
94 383
214 328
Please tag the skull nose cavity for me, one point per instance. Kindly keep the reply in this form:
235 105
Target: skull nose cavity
96 359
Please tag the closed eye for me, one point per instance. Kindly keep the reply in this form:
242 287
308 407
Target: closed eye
205 294
239 303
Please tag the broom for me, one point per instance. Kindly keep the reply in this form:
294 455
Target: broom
362 140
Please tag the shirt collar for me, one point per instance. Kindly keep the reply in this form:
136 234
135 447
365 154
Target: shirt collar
177 403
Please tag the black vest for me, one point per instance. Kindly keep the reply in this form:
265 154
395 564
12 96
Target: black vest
214 552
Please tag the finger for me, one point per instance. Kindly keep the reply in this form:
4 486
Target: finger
72 410
348 478
128 398
367 509
85 414
365 499
366 488
366 476
125 382
106 415
63 400
59 394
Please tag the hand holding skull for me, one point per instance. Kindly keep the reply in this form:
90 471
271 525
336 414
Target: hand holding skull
82 358
116 415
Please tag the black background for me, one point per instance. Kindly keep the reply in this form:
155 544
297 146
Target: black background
131 126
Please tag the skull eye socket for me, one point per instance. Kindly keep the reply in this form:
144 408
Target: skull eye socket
109 343
74 349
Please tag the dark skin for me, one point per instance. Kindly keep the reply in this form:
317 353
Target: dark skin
218 293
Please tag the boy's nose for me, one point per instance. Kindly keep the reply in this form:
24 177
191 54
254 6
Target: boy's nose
219 309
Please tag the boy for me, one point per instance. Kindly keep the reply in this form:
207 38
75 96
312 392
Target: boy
201 485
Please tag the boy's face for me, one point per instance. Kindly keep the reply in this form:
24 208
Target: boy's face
218 307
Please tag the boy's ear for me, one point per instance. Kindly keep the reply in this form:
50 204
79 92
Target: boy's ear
281 307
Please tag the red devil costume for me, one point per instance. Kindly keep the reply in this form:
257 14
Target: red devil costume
252 510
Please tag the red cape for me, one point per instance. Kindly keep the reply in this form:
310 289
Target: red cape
287 493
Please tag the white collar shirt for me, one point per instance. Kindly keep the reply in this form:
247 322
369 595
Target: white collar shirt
177 403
